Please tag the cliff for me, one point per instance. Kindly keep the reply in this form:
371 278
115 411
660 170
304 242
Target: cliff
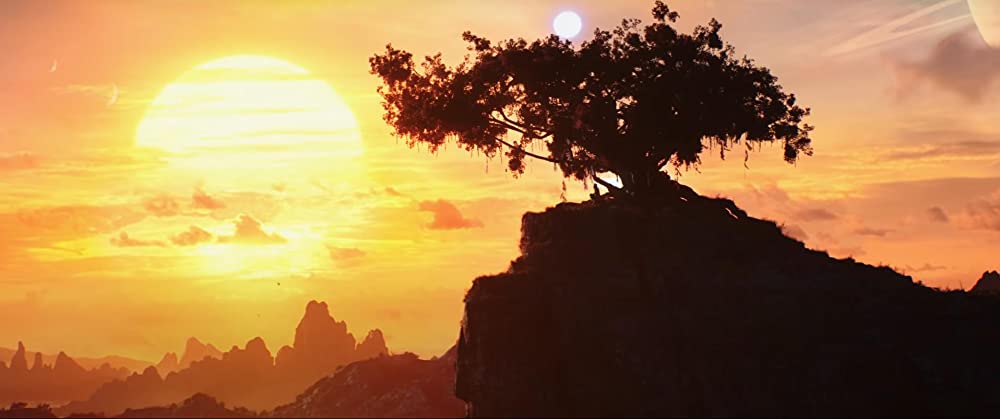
696 309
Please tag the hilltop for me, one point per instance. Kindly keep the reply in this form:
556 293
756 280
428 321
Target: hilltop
694 308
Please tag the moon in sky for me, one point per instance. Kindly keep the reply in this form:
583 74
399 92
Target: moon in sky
254 109
567 24
986 13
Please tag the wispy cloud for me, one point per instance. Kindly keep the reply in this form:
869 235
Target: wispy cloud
816 214
202 200
251 231
447 216
192 237
162 206
937 215
124 240
18 161
901 27
961 63
870 231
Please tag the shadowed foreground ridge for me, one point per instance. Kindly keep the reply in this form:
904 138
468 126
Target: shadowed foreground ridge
387 386
697 309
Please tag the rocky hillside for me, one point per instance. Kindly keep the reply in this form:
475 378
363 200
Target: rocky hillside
196 406
698 309
388 386
989 284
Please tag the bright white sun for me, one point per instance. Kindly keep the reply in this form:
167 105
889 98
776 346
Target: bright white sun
250 105
567 24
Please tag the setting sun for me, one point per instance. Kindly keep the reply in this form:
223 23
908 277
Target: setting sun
250 103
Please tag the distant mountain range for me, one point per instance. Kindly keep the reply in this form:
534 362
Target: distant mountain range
63 379
248 377
88 363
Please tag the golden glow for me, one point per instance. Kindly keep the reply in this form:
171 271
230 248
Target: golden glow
250 104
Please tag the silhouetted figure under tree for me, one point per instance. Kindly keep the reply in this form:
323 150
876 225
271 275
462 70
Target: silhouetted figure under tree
630 101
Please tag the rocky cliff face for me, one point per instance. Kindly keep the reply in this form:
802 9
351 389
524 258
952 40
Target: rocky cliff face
698 309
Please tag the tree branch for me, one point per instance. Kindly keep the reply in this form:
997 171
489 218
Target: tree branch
534 131
528 153
612 189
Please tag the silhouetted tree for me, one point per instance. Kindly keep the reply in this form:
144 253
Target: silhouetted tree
630 101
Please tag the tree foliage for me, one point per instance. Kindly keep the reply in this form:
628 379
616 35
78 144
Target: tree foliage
631 101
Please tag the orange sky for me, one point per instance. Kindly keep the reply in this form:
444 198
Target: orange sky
103 245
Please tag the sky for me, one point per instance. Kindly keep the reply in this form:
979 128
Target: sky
119 236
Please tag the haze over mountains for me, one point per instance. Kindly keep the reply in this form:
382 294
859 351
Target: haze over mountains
250 376
62 380
89 363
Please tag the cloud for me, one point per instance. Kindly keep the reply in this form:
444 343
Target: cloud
389 190
957 149
795 232
925 268
79 219
18 161
983 214
447 216
816 214
848 251
251 231
346 256
202 200
937 215
124 240
961 63
908 25
868 231
388 314
192 237
344 253
162 206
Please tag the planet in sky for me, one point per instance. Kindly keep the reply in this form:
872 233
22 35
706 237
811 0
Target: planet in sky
567 24
986 13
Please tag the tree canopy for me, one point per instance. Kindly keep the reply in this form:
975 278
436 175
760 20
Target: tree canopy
631 101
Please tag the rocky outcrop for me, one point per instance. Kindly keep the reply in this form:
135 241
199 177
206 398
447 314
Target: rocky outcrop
696 309
373 346
66 366
168 363
387 386
989 284
320 341
20 361
194 351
